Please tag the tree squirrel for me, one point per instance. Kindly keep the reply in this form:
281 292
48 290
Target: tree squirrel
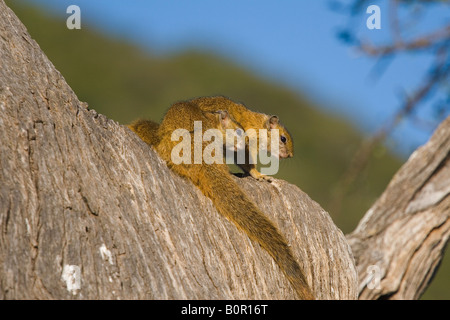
215 180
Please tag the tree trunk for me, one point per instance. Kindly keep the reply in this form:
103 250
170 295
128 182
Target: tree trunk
89 211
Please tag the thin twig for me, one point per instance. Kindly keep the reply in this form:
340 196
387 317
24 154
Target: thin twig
424 42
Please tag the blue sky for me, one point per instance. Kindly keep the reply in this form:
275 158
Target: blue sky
292 42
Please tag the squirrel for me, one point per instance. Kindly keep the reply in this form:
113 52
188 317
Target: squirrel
251 120
216 182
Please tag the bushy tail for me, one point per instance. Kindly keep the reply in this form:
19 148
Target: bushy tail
238 208
146 130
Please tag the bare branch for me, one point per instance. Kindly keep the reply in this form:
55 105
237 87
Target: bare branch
428 41
441 70
404 234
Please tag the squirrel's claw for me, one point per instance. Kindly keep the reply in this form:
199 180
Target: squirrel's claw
259 176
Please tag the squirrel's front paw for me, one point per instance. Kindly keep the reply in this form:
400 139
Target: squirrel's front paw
260 177
265 178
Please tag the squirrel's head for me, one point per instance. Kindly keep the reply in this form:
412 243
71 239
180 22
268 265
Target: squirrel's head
286 144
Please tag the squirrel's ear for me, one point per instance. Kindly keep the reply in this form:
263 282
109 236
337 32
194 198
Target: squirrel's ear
272 123
224 117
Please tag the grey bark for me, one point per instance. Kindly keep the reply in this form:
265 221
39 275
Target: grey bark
402 238
89 211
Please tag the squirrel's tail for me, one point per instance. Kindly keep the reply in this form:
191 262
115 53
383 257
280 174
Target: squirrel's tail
146 130
238 208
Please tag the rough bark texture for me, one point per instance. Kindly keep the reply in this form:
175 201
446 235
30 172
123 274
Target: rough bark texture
402 238
88 210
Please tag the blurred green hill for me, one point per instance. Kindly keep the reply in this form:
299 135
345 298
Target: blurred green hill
124 82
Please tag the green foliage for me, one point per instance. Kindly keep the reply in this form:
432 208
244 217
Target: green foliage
124 82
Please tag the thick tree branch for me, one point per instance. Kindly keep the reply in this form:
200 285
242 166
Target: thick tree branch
428 41
89 211
405 232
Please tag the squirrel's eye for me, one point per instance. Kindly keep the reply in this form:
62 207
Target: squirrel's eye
283 139
239 132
